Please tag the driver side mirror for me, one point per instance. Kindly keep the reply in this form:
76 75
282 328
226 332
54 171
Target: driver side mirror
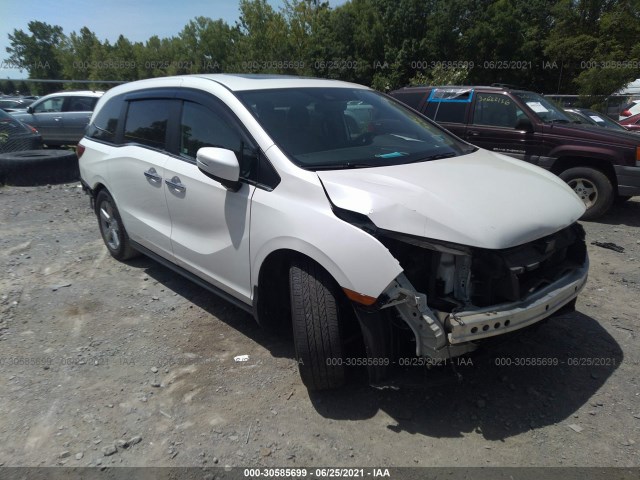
221 165
29 109
524 123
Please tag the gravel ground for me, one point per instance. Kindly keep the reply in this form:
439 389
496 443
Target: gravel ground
113 364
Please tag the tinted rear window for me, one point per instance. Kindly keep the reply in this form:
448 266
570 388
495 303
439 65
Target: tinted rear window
106 122
146 122
80 104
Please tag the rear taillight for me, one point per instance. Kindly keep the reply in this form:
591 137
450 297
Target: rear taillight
80 150
625 113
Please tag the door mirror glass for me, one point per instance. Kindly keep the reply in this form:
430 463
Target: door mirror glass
220 164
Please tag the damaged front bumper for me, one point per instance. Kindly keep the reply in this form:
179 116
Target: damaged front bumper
481 323
449 334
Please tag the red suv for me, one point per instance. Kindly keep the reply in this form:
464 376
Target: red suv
600 165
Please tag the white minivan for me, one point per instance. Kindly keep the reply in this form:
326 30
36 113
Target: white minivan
333 209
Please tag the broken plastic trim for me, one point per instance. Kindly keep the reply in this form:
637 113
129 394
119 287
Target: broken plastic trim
429 332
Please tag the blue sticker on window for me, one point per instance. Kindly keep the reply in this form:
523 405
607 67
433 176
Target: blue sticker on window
455 95
391 155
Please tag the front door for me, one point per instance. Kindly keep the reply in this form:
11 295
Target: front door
493 127
210 224
47 118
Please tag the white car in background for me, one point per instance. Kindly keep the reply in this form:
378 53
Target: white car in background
333 209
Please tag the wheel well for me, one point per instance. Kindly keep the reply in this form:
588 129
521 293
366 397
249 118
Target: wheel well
606 167
94 194
272 294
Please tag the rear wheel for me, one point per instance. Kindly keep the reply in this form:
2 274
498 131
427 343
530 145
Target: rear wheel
113 233
593 187
316 325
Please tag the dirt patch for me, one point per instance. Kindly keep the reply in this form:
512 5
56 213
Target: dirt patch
106 363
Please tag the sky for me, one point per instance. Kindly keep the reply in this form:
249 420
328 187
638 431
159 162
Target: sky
137 20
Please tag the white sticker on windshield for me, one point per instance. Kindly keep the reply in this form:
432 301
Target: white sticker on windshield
537 107
596 118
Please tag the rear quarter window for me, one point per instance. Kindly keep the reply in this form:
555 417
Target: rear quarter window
105 124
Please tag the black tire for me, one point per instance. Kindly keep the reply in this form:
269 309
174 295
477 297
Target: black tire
112 229
593 187
316 326
39 167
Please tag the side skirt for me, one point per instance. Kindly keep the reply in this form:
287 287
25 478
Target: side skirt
194 278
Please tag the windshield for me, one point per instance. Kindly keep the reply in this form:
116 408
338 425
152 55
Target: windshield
546 110
333 128
603 120
579 118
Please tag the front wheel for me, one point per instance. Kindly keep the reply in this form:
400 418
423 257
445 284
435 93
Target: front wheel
113 233
316 326
593 187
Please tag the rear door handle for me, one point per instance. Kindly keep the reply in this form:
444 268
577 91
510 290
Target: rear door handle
175 184
152 175
473 133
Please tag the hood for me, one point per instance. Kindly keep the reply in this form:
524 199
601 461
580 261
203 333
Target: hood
482 199
22 115
593 133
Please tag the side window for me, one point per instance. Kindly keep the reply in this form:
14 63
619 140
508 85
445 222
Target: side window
79 104
451 112
412 99
203 127
51 105
106 122
146 122
496 110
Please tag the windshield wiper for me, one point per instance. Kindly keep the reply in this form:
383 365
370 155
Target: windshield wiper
339 166
558 120
436 156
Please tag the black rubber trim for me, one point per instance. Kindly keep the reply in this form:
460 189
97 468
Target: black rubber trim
194 278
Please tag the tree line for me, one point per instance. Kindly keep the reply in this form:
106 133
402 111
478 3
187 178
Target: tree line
589 47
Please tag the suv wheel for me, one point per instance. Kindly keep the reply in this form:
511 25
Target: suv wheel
593 187
113 233
316 327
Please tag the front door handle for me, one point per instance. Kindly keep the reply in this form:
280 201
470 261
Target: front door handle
473 133
152 175
175 184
